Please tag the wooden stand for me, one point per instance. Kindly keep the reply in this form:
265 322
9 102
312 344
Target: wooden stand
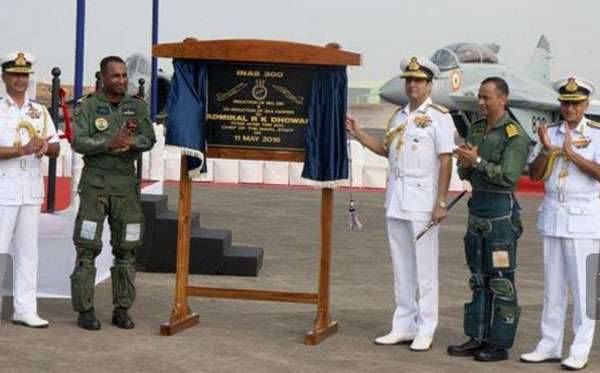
261 51
182 317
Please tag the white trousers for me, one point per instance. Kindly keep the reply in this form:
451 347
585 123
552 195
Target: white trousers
415 277
564 267
19 237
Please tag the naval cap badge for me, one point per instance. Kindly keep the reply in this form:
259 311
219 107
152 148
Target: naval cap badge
571 85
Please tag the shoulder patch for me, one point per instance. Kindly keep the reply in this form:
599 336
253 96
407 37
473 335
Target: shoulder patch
439 108
593 124
84 97
511 130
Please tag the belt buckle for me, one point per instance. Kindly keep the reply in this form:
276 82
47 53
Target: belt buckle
23 163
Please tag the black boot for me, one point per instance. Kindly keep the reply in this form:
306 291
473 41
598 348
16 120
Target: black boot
88 321
491 353
121 318
469 348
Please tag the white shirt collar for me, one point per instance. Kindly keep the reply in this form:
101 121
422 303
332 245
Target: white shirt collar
10 102
579 129
422 108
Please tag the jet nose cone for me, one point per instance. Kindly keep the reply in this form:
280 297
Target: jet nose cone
393 91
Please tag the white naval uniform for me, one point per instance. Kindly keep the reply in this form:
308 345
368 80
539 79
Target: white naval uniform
21 196
568 221
410 198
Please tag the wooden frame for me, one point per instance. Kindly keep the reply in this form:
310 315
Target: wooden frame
265 51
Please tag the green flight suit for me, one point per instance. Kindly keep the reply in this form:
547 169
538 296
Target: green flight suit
108 188
493 228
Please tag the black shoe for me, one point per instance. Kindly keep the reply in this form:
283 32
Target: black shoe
121 319
88 321
491 353
469 348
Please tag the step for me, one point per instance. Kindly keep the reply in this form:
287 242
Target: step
158 232
206 251
154 204
170 218
242 261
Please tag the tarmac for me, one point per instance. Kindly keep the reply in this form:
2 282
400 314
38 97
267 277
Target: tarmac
252 336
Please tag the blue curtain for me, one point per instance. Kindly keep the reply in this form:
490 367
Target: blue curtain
326 150
186 108
326 155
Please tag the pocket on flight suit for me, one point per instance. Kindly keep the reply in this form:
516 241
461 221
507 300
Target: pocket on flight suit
501 256
90 217
132 224
505 312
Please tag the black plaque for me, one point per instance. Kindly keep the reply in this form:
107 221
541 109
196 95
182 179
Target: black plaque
258 106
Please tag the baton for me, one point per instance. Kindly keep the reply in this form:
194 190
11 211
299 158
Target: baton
431 223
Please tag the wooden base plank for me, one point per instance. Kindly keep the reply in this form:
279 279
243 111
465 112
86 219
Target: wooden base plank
249 294
315 336
175 326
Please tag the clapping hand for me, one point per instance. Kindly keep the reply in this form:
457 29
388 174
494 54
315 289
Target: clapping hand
121 141
467 154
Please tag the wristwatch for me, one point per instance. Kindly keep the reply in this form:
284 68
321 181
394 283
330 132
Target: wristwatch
442 204
477 161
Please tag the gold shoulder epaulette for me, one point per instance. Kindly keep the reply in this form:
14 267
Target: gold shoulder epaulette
511 130
593 124
439 108
389 122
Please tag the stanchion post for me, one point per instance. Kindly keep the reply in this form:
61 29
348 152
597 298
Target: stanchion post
140 159
55 100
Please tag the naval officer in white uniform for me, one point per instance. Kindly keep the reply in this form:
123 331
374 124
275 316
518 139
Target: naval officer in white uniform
418 144
26 135
567 157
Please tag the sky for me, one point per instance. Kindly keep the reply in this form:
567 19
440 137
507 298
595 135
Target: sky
382 31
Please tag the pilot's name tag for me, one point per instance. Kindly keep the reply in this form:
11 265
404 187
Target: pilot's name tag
500 259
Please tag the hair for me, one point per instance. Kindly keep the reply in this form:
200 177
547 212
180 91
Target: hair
499 83
106 60
429 74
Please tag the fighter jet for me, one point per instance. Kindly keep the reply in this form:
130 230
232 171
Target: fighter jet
463 66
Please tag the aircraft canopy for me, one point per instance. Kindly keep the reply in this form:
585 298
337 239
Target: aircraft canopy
452 55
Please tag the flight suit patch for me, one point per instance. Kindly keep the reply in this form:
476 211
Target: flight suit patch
132 232
103 110
511 131
500 259
129 111
101 124
88 229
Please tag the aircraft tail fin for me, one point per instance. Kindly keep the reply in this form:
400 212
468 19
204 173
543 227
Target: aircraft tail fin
539 63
